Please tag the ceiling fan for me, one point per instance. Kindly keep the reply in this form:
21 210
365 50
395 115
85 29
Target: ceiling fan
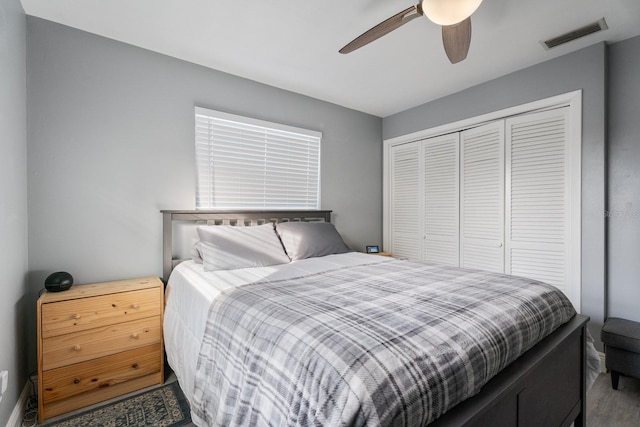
453 15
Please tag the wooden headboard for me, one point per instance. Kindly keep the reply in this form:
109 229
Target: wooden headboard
235 218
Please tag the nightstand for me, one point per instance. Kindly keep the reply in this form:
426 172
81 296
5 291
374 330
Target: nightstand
389 254
98 341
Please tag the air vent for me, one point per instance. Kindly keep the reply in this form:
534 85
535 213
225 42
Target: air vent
576 34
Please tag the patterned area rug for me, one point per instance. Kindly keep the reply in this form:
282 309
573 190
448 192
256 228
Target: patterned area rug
165 406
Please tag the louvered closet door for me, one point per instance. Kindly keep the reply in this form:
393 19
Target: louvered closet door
538 198
404 190
441 199
482 198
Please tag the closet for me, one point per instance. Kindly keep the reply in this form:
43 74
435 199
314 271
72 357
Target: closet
498 196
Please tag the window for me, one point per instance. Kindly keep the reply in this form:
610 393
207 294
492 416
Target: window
244 163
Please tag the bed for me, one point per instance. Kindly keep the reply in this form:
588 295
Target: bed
360 340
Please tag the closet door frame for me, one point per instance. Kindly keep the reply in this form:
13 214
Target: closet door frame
570 99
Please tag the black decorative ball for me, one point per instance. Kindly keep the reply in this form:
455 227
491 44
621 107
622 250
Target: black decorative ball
58 281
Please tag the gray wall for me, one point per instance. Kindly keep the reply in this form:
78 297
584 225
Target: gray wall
624 180
584 69
111 142
14 307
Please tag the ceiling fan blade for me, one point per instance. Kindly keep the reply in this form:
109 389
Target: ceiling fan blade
457 39
383 28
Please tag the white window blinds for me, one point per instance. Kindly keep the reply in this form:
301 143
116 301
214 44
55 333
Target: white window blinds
251 164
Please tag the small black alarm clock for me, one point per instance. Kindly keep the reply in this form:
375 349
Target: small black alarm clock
58 281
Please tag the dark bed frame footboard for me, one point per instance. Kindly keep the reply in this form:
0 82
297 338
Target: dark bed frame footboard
546 386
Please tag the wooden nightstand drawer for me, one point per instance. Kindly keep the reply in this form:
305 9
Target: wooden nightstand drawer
72 316
103 372
98 341
63 350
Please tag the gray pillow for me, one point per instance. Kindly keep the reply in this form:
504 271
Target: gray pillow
310 239
226 247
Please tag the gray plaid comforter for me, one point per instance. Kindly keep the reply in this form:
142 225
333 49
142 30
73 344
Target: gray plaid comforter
393 344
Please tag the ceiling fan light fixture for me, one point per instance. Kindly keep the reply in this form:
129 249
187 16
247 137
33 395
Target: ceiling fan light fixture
449 12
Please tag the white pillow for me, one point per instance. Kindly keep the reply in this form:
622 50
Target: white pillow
196 252
226 247
310 239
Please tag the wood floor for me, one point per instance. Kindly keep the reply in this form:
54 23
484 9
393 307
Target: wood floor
607 407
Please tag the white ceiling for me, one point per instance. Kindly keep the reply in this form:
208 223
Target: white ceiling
293 44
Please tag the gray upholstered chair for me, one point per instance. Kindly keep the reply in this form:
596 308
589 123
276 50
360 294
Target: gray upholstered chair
622 348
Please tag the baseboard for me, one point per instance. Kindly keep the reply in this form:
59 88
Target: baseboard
603 368
15 420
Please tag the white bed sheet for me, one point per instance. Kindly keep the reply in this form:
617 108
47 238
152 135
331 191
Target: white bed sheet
191 290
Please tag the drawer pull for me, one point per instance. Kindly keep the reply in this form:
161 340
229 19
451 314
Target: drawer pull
135 306
76 316
76 381
134 335
76 347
